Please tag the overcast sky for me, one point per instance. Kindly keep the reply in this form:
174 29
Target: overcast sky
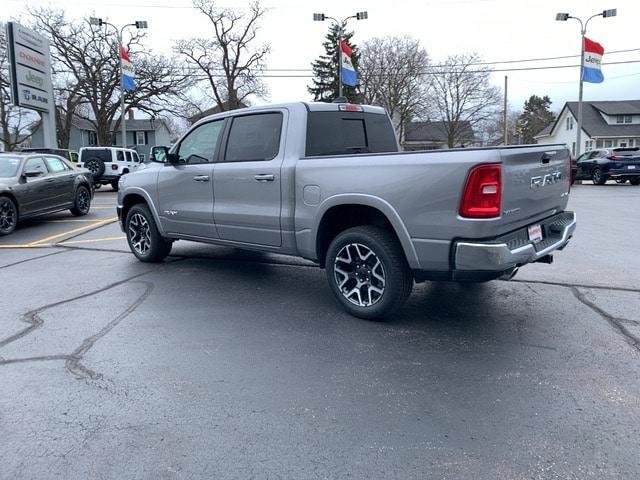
498 29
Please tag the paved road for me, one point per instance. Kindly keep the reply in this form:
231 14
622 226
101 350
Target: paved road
223 364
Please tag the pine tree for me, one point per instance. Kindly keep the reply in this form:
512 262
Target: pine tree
325 69
535 117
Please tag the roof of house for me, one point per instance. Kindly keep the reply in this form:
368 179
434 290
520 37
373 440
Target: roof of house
595 125
137 124
211 111
435 131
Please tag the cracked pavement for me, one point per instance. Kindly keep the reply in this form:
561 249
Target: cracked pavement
228 364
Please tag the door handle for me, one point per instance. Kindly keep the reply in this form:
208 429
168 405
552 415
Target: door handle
50 180
201 178
265 177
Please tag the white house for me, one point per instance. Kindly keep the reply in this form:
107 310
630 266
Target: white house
604 125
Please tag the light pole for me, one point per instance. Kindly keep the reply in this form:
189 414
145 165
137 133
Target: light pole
563 17
321 17
141 24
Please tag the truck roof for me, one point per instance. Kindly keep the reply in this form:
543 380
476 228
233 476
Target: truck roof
309 106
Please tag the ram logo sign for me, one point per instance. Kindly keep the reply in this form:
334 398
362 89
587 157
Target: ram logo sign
548 179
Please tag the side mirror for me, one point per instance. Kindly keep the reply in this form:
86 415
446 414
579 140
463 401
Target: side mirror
159 154
32 173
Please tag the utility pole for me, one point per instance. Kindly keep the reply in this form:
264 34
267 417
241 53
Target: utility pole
504 114
321 17
563 17
141 24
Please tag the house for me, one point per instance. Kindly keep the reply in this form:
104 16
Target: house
142 134
433 135
604 125
211 111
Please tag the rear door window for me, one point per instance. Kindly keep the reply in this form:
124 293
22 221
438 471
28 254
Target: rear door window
119 155
56 165
344 133
254 137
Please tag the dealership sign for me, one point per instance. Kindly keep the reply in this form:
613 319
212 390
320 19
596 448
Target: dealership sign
30 69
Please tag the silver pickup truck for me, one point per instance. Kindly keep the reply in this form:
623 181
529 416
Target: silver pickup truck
327 182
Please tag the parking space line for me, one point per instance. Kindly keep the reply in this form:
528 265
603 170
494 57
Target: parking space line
70 232
106 239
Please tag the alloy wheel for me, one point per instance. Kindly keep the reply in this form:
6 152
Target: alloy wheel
8 216
83 200
139 235
359 274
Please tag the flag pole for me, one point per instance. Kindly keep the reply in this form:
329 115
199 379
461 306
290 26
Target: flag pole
122 106
339 60
579 134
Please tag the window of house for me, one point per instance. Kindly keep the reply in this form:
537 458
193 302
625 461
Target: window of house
93 138
608 143
569 123
142 157
599 144
140 138
619 118
588 145
628 119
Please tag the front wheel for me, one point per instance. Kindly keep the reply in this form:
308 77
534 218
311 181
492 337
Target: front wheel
81 202
598 177
143 236
367 272
8 215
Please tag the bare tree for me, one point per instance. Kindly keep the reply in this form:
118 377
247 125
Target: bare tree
85 62
491 130
392 71
462 96
14 121
229 61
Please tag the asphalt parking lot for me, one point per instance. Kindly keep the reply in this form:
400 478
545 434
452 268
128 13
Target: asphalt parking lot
227 364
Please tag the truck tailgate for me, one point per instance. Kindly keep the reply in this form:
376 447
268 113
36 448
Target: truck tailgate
536 182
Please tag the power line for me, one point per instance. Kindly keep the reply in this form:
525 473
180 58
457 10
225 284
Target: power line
439 72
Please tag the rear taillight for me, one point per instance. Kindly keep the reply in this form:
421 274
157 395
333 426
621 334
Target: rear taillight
114 167
482 194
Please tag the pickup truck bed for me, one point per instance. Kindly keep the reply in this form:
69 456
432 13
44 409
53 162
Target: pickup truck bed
327 182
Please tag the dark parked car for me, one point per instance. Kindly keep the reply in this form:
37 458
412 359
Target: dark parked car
70 155
36 184
620 164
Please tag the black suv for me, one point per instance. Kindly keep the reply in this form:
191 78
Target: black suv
619 164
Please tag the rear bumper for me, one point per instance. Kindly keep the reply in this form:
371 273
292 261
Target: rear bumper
513 250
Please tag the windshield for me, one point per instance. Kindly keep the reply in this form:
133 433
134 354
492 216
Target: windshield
9 166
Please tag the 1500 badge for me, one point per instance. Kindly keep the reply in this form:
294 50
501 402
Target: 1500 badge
548 179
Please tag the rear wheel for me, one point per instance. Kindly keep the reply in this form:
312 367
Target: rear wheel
368 273
598 177
8 215
143 236
82 201
635 181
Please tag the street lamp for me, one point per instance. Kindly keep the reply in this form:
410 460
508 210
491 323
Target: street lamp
140 24
563 17
321 17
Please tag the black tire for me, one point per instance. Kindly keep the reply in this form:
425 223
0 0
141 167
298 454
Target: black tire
96 166
398 278
140 223
8 215
82 201
635 181
114 185
598 177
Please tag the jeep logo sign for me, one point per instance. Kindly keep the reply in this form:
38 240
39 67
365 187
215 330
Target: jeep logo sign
548 179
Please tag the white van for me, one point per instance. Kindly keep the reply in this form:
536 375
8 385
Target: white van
108 164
